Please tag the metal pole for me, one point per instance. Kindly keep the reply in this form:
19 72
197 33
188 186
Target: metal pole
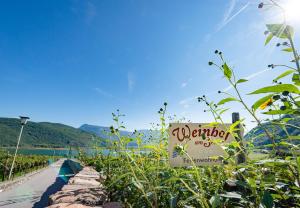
241 155
13 163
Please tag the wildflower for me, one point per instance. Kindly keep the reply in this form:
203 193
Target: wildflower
278 44
285 43
219 91
161 110
210 63
260 5
216 51
265 104
165 103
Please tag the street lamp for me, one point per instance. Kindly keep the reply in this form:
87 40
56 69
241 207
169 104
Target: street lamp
24 120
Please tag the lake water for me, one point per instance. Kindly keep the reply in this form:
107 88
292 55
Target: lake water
60 152
52 152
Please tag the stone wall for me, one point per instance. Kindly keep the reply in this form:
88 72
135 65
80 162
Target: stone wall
85 189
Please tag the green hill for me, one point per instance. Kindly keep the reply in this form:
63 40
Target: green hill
259 137
42 134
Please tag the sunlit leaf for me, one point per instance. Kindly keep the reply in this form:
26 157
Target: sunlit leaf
225 100
287 49
284 74
241 81
223 111
286 119
277 88
279 112
269 38
293 138
296 79
281 30
227 71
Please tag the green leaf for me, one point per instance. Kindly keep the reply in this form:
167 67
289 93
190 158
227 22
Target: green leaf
233 195
269 38
286 119
225 100
284 74
241 81
287 49
259 102
223 111
227 71
277 88
278 112
294 138
296 79
281 30
215 201
267 200
136 183
233 126
298 163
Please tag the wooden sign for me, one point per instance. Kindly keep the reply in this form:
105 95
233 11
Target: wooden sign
198 140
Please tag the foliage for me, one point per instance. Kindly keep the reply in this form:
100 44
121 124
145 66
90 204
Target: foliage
42 134
142 177
23 164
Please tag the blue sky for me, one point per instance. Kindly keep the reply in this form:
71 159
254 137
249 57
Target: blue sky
75 61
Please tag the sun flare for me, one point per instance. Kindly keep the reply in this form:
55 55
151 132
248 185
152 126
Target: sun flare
292 10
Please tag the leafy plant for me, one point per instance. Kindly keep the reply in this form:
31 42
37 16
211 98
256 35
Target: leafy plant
142 176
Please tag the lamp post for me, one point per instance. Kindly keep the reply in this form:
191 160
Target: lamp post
24 120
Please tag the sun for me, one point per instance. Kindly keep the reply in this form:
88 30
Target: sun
292 10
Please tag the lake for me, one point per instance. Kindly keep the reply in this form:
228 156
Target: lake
64 152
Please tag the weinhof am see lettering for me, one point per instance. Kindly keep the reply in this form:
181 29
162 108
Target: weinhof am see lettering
202 142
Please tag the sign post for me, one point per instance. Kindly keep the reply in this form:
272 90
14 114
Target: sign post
241 156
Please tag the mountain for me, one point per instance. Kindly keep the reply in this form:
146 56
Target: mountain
259 137
103 132
42 134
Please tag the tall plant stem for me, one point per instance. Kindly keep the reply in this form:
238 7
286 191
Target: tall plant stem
253 114
294 53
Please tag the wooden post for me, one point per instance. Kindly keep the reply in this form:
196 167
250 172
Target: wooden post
241 156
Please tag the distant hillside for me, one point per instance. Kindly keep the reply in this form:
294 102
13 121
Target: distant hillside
260 137
42 134
148 135
102 131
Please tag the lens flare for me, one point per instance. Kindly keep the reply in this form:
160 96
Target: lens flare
292 10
